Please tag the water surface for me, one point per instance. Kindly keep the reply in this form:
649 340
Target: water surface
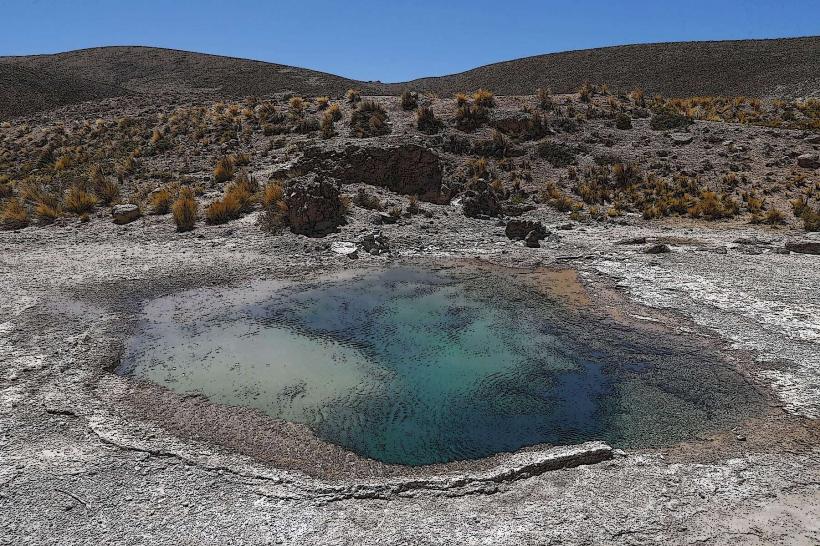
414 367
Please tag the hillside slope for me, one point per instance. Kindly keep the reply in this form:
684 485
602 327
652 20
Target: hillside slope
764 68
784 68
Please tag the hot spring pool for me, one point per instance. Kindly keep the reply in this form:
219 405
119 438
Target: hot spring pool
413 366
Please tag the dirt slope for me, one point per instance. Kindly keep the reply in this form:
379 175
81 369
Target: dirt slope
784 68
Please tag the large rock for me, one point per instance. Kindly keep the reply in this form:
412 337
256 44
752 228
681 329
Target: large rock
480 201
804 247
809 161
517 230
408 169
124 214
314 207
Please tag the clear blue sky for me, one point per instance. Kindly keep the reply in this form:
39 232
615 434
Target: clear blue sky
390 40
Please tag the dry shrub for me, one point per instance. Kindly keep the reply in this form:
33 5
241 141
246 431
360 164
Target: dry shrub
484 98
353 96
46 214
638 97
79 201
224 169
326 125
274 214
711 206
223 210
426 120
774 217
470 117
107 191
5 188
544 99
322 102
296 107
409 100
13 215
334 112
185 210
367 200
369 119
160 201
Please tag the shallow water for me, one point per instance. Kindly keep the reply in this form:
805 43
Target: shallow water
414 367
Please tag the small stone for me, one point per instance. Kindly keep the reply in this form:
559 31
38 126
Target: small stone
740 438
808 161
680 139
124 214
659 248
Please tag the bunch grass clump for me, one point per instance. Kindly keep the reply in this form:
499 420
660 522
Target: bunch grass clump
13 214
185 210
78 201
369 119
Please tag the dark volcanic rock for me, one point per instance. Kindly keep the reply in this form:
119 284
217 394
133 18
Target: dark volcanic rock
532 239
408 169
481 201
314 207
804 247
518 230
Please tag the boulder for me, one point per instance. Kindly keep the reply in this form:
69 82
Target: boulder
126 213
532 239
519 230
408 169
804 247
808 161
480 202
314 207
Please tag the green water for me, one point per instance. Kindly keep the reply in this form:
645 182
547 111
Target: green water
414 367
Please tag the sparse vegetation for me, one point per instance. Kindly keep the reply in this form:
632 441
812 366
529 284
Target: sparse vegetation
185 210
369 119
426 120
78 201
556 153
409 100
13 214
224 169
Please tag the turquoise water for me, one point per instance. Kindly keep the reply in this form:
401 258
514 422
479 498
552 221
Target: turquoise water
415 367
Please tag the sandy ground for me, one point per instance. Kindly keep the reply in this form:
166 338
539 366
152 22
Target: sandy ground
77 466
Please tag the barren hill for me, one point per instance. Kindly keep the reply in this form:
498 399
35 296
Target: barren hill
782 68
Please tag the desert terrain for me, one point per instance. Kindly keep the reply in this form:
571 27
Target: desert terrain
683 208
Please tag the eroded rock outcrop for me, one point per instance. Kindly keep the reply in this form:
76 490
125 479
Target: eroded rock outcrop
313 205
407 169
